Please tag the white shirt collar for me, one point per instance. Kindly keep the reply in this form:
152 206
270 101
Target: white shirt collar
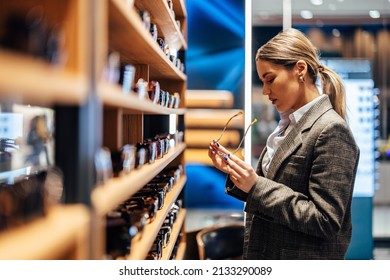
274 141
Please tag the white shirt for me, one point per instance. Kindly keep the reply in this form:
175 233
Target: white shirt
275 139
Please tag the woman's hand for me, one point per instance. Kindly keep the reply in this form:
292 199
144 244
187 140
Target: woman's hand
219 156
241 173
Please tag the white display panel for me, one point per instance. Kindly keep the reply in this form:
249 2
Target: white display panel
361 118
362 115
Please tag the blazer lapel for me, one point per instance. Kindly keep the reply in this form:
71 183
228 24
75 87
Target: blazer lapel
294 138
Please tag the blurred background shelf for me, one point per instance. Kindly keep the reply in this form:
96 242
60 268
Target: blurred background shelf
34 81
61 234
209 98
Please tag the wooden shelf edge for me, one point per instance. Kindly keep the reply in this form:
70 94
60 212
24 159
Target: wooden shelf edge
106 197
112 96
181 251
166 254
213 118
142 243
200 156
180 8
201 138
38 82
213 99
49 237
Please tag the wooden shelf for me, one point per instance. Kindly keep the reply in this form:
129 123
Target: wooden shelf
37 82
213 118
215 99
197 156
181 251
142 242
112 96
106 197
201 156
128 36
63 229
160 15
201 138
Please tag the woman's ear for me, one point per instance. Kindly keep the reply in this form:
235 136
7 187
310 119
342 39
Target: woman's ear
301 67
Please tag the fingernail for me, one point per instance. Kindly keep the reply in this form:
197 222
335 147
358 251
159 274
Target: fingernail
228 155
217 144
226 158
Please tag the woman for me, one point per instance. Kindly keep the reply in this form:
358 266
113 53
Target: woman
298 200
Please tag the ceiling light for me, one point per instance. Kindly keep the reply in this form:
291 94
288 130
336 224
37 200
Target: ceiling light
336 32
374 14
306 14
317 2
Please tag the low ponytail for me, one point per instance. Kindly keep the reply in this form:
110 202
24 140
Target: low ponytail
332 86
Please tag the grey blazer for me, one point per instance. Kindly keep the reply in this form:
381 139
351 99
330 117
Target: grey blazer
302 208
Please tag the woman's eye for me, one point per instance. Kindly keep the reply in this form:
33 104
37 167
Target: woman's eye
270 80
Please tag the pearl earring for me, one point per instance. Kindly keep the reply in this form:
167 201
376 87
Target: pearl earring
301 79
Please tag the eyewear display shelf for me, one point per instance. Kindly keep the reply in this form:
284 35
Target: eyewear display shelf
92 113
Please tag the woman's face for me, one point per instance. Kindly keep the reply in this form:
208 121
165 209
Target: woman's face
282 86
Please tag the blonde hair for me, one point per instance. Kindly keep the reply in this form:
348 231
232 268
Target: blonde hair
291 45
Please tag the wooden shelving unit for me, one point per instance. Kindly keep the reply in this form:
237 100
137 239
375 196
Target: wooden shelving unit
84 101
122 113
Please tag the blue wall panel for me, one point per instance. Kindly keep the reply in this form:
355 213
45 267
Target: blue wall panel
215 60
206 189
216 46
362 244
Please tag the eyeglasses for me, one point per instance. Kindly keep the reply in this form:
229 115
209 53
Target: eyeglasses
243 138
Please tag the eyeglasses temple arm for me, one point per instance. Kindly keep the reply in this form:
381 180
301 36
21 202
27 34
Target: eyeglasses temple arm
223 131
243 138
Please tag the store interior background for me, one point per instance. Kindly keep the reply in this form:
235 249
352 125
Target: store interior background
222 36
342 29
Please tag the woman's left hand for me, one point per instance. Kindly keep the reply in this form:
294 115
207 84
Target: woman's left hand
241 173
